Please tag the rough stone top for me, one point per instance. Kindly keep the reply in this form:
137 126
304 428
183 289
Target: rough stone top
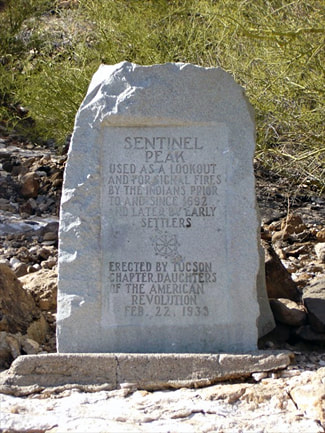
113 89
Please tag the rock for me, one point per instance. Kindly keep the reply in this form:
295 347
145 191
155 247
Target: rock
259 376
320 251
288 312
4 261
5 352
38 330
293 224
29 346
314 301
30 185
34 268
25 210
43 285
320 235
290 226
5 205
14 262
143 371
14 345
32 203
56 177
274 339
279 283
230 393
44 253
279 236
17 306
239 407
9 348
307 333
50 236
302 279
50 263
21 269
310 397
290 266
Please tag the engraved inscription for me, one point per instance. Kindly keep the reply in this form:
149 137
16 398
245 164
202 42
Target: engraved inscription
170 288
164 190
162 195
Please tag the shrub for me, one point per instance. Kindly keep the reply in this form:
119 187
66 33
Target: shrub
274 48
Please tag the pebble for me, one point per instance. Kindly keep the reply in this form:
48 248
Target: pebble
320 251
259 376
321 235
50 236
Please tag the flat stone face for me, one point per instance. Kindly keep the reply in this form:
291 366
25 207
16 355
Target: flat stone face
159 232
157 217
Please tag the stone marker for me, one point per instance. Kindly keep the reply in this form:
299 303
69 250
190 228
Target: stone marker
159 232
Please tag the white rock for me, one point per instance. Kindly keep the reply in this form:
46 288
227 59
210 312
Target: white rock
259 376
14 262
320 251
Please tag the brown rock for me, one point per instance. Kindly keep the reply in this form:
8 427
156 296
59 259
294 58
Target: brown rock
56 178
13 344
279 236
279 283
310 397
38 330
23 254
288 312
25 209
17 306
44 253
30 185
293 224
307 333
303 279
21 269
43 285
320 236
29 346
5 352
275 339
314 301
50 263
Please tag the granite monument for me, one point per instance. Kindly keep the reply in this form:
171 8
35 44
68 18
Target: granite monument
159 230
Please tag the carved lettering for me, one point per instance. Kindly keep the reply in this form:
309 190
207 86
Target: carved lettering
162 186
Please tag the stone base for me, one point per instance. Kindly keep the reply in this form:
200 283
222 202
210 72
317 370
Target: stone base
138 371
